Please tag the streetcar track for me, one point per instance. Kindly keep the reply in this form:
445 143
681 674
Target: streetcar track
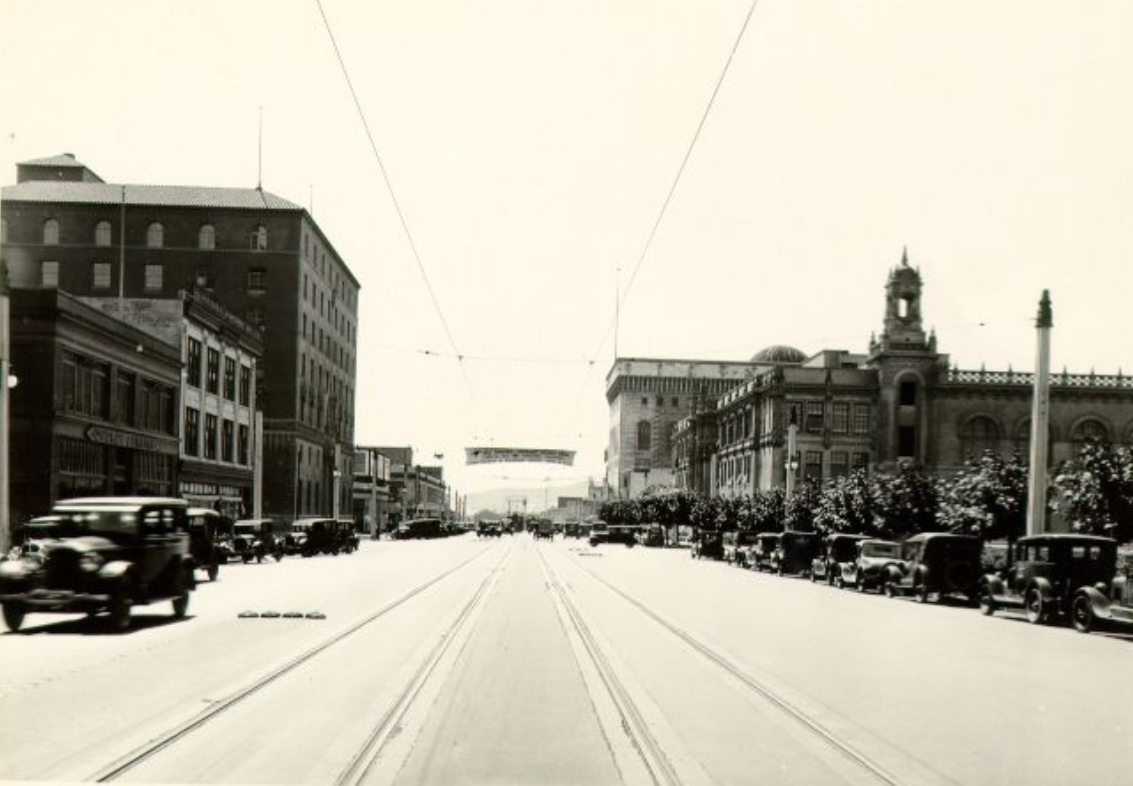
763 690
363 761
661 771
163 740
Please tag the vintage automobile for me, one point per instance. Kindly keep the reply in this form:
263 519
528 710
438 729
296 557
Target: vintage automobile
761 554
571 530
795 553
347 536
707 545
838 548
871 566
419 529
544 529
119 551
35 536
489 529
1045 574
205 527
653 536
936 563
1104 604
736 546
255 539
313 535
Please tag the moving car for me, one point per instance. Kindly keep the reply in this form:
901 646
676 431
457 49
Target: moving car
205 524
346 535
1104 603
1046 574
838 548
35 536
311 536
872 565
936 563
120 551
419 529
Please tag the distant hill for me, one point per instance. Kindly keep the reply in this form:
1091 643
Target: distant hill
538 498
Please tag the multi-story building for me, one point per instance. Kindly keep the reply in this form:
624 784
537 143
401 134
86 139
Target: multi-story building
371 499
900 400
95 407
261 257
221 446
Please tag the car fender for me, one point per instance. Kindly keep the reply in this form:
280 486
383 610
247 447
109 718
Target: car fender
993 584
1046 590
892 573
116 570
1098 600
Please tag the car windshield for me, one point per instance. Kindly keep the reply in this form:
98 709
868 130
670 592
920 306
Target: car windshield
881 550
102 521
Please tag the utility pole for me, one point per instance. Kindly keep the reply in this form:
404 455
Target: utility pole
792 450
5 370
1040 419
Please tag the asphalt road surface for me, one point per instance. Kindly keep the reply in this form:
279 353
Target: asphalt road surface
514 661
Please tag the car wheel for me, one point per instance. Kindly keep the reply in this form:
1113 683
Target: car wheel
245 558
14 616
1082 613
839 581
987 603
120 603
214 571
1037 612
181 602
890 590
278 555
859 585
813 578
922 593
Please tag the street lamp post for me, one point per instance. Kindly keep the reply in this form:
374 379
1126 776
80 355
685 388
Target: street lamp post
792 451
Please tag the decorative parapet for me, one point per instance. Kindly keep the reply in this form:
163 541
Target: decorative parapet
1027 379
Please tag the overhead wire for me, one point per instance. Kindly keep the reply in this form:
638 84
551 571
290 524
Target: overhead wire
396 204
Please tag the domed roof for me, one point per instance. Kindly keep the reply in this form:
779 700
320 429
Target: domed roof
779 353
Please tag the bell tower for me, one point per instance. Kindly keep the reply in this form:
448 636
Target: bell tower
903 329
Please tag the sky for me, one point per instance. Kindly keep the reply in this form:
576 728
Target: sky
544 160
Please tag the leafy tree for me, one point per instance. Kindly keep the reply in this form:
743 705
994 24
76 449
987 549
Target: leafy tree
907 502
768 510
801 507
705 514
1095 490
846 504
987 498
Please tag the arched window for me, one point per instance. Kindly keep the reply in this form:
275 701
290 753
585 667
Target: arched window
979 434
155 235
259 240
102 233
644 435
206 237
51 232
1090 430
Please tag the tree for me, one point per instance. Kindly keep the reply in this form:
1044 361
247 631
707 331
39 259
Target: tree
907 502
768 510
800 508
1095 490
705 514
846 504
987 498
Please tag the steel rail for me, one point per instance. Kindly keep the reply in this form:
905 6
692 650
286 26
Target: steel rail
757 686
363 761
156 744
660 769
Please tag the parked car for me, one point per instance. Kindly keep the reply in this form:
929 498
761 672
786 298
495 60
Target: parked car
347 536
936 563
419 529
795 553
1104 604
204 526
653 536
736 546
544 529
598 534
310 536
625 534
255 539
761 555
872 565
119 551
707 545
838 548
1046 573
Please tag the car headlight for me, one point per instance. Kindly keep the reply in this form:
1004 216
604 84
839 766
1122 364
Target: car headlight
91 561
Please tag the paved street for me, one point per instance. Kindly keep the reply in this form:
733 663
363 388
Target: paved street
516 661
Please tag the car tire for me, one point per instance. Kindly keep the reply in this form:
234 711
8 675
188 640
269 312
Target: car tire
1081 613
839 581
986 603
119 608
214 571
1036 608
859 585
181 602
922 593
14 616
890 589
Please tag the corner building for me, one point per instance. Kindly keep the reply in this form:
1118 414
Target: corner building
258 255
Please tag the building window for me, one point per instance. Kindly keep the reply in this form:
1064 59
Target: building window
242 444
206 237
644 435
49 274
158 403
979 435
227 435
155 235
813 422
154 276
861 461
212 371
259 239
51 232
840 418
84 385
246 384
861 418
1090 430
255 318
125 398
230 378
210 436
907 393
192 431
100 275
205 278
193 363
813 469
839 463
102 233
257 281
